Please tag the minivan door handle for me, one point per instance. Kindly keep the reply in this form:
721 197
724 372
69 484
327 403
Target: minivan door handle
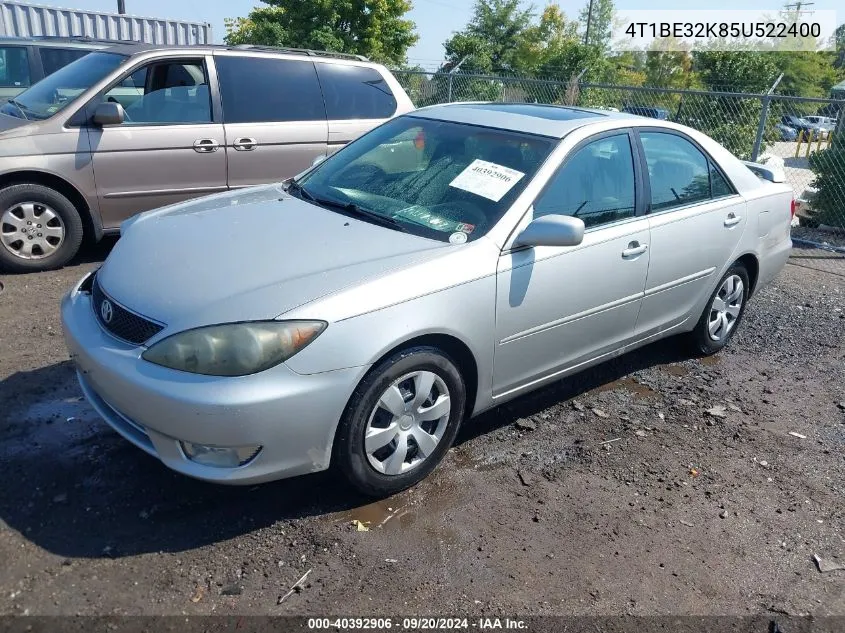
245 144
635 249
206 145
733 219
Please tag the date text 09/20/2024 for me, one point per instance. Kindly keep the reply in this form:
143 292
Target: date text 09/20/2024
415 624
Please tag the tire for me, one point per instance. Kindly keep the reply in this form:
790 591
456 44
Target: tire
708 344
21 208
380 472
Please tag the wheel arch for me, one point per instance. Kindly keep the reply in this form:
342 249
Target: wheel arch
752 265
456 349
91 223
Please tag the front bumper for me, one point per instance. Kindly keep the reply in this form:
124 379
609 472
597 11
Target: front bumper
292 416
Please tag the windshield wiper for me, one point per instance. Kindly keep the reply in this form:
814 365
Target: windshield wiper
349 207
21 108
294 188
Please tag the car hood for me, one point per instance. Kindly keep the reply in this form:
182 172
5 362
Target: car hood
10 126
247 255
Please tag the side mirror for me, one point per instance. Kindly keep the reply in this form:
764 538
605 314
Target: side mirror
109 113
552 230
318 160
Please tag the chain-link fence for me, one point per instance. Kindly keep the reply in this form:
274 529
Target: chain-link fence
805 136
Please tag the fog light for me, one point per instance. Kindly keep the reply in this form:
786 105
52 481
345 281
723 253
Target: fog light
219 456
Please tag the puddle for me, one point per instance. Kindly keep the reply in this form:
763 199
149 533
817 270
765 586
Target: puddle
710 361
418 507
59 427
629 384
676 370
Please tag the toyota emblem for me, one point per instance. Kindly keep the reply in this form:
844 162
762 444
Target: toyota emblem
106 310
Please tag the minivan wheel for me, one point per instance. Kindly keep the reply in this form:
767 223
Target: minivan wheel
400 421
40 228
724 311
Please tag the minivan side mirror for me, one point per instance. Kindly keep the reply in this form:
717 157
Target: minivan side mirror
109 113
552 230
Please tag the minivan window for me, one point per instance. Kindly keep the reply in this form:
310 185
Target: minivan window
14 67
259 89
164 93
54 93
54 58
355 92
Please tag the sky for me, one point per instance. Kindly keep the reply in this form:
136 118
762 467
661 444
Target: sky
436 20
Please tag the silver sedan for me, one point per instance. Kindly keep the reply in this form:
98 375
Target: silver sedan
442 264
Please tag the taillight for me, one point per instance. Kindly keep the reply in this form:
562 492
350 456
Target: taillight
792 208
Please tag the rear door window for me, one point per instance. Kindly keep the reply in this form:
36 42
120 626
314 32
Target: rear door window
355 92
54 58
14 67
260 89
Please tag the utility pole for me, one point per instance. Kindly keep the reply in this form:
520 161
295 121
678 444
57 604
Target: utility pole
121 7
797 6
589 19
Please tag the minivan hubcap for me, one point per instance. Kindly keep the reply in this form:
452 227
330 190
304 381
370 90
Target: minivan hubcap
31 230
407 423
725 308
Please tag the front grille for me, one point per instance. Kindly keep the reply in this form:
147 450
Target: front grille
123 324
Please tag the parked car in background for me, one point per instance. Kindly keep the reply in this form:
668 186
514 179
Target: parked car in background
448 261
26 61
653 113
826 124
786 133
808 130
135 127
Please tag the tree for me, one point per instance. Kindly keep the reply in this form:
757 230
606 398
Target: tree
736 71
668 64
374 28
492 40
600 23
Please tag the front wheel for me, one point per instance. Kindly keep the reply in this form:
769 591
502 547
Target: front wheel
40 229
721 317
400 422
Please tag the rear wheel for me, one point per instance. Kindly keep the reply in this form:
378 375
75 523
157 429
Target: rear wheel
40 228
724 311
401 421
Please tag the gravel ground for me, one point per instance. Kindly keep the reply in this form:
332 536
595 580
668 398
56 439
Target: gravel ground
654 484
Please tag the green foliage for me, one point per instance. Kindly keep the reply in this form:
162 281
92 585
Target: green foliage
736 71
374 28
601 23
493 39
829 167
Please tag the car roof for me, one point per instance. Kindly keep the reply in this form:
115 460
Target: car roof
132 48
545 120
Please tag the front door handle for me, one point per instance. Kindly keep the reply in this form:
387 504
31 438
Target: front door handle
635 249
206 145
733 219
245 144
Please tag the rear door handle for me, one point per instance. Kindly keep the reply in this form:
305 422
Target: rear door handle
206 145
245 144
732 219
634 249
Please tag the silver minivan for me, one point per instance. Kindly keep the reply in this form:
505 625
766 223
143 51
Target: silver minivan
135 127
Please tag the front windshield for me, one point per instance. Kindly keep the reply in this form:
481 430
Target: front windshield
57 91
442 180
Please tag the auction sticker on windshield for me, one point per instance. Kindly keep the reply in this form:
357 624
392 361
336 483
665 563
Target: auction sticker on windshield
487 180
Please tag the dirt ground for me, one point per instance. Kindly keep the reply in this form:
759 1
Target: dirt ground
655 484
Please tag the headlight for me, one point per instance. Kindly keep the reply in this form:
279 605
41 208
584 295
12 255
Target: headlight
234 349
